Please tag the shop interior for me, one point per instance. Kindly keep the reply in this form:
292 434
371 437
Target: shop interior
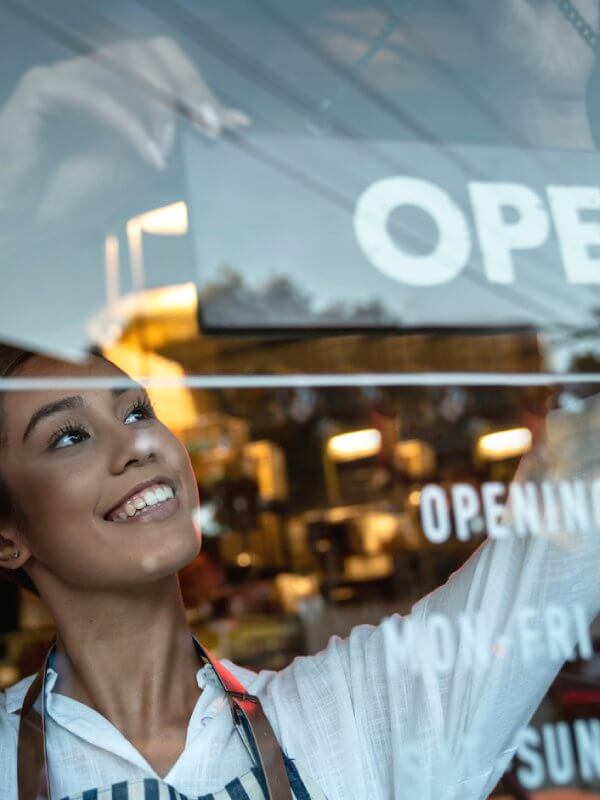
311 487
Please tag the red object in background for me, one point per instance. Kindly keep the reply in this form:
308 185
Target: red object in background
577 697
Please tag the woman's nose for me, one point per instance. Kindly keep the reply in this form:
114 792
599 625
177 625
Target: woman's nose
133 448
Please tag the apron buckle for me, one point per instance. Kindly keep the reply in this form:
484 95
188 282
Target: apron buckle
243 696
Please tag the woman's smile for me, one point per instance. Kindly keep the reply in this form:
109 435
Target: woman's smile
153 500
163 510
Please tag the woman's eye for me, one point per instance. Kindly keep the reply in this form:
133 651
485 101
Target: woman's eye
139 412
69 438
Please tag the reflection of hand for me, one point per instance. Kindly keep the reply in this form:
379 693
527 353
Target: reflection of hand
553 66
85 126
540 42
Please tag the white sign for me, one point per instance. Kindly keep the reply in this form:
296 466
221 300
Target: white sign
330 233
499 239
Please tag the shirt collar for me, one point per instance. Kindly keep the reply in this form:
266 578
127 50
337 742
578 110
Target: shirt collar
209 705
15 695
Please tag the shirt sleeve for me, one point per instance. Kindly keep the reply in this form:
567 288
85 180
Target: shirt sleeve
430 704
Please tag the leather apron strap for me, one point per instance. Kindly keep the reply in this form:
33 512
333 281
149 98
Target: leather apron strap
32 778
247 714
246 708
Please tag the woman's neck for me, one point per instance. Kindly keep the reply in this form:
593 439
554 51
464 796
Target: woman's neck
129 656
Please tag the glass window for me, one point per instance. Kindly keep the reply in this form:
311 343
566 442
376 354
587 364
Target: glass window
299 355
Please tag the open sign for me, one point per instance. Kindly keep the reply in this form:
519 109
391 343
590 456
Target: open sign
340 233
499 235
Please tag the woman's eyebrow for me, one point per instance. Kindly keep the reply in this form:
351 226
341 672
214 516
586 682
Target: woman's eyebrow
117 391
64 404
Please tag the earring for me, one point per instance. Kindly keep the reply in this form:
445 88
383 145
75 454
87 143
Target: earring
16 554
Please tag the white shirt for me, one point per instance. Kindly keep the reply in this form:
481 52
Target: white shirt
384 713
360 717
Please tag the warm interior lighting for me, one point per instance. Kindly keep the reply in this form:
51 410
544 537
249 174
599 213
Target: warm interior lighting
294 590
171 220
414 498
174 404
411 448
354 445
9 674
361 568
504 444
378 529
270 469
180 298
416 458
157 316
244 559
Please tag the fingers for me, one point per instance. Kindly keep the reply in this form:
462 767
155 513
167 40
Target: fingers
102 106
148 92
133 90
161 122
193 94
134 75
234 118
151 81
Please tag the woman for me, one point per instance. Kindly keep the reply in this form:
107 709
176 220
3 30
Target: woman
98 514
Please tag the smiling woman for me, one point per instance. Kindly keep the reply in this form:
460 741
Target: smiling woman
71 464
98 513
98 502
88 462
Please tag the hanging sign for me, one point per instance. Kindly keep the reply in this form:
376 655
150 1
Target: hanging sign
322 233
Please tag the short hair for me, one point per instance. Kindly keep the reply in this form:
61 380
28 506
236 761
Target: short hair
11 358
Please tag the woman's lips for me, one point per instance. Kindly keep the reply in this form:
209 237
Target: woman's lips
156 513
148 494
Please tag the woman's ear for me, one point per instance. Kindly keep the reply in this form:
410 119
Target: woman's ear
14 553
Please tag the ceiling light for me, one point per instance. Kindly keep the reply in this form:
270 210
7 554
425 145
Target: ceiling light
354 445
504 444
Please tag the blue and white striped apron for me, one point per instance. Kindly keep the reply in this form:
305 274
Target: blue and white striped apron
251 786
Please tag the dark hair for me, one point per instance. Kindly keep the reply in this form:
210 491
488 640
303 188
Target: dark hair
11 358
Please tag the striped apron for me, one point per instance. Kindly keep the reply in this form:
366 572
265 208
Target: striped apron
274 776
249 787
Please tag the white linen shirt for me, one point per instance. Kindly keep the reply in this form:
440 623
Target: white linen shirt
384 713
360 719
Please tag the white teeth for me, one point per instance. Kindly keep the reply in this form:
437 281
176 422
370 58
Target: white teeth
150 498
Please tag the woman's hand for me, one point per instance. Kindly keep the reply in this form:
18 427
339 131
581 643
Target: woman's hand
538 39
552 65
84 127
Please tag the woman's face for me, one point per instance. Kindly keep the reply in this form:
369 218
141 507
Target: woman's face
105 493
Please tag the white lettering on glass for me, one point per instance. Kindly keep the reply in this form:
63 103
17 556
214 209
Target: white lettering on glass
519 509
576 237
371 226
507 218
498 237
